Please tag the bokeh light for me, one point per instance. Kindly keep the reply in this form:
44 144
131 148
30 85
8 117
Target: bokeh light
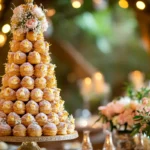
140 5
6 28
123 4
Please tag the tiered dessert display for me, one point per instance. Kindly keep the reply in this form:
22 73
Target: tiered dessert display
30 104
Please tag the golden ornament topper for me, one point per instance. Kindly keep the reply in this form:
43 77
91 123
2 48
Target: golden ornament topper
28 1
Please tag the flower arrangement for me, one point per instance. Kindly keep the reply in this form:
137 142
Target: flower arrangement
28 17
119 114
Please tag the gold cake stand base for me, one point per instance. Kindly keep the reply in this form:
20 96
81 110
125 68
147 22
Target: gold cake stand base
30 143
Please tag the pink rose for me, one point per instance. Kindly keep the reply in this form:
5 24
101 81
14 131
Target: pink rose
32 23
38 12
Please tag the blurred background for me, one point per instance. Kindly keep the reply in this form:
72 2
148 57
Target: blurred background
96 44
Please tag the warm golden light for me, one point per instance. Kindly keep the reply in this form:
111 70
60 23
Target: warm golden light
6 28
3 39
123 4
76 3
1 7
140 5
88 81
98 76
51 12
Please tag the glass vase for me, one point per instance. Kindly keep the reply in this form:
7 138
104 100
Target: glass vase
86 143
124 141
108 144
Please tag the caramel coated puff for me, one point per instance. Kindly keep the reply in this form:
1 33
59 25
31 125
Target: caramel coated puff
26 46
7 107
19 130
14 46
13 118
40 70
11 57
32 36
19 107
12 69
14 82
18 36
41 119
27 119
5 129
37 95
51 81
40 36
34 57
23 94
49 94
27 82
39 46
51 69
5 80
9 94
19 58
32 107
1 104
45 58
45 107
26 69
40 83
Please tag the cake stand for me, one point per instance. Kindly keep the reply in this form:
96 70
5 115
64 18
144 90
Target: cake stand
30 143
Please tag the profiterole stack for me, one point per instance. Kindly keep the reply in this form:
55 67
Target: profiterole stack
30 102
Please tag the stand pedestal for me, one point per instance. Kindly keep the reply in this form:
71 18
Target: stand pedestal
30 143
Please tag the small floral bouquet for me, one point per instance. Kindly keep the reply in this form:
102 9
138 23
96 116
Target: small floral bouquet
28 17
142 118
119 114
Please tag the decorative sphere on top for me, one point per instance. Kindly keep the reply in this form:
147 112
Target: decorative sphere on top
29 1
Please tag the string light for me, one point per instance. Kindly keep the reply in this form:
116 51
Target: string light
123 4
140 5
51 12
6 28
3 39
77 3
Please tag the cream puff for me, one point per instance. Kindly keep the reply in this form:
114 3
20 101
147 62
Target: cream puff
26 69
57 93
37 95
11 57
45 107
53 118
70 128
34 130
39 46
7 107
51 69
19 107
23 94
13 70
32 36
9 94
19 130
5 80
2 115
45 58
1 103
14 82
40 36
49 94
40 83
5 129
41 119
19 58
50 129
13 118
40 70
27 82
27 119
34 57
18 36
26 46
51 81
62 128
55 106
63 116
14 46
32 107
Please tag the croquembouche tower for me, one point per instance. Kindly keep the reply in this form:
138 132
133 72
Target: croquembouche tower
30 104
